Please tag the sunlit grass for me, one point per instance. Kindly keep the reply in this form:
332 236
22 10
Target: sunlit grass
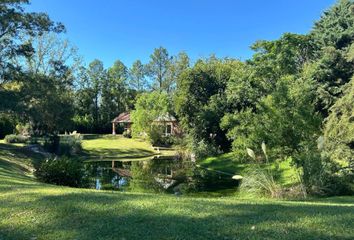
32 210
230 164
109 147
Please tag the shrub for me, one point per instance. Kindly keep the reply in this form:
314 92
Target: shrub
157 136
70 145
260 182
25 129
127 134
13 138
61 171
203 149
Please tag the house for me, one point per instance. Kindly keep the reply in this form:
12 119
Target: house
167 120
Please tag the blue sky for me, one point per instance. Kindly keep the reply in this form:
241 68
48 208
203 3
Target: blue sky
131 29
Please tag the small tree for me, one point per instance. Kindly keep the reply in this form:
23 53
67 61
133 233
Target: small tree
147 108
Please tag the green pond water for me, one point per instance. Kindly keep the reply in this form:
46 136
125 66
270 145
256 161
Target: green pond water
167 175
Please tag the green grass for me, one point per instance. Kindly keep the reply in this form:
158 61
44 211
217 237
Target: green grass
229 164
32 210
109 147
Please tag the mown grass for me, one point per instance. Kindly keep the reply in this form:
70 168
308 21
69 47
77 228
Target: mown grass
32 210
109 147
230 164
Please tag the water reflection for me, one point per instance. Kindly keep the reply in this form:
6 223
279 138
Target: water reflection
156 175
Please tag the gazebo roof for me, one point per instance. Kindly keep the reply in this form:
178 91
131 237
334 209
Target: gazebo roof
165 118
122 118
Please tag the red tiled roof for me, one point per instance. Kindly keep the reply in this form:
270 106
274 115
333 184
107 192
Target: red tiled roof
122 118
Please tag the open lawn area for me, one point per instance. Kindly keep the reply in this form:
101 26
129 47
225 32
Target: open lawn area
32 210
116 147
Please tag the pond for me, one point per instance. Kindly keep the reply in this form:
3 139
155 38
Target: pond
163 174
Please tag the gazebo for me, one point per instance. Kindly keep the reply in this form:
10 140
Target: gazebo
170 123
122 119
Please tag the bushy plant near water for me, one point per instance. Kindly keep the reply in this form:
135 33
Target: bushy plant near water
13 138
323 176
70 145
203 149
261 180
157 136
61 171
127 134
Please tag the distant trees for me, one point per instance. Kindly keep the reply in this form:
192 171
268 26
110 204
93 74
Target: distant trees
101 95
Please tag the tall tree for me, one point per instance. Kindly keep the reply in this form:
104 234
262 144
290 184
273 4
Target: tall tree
333 35
200 101
158 68
114 92
177 66
137 76
97 75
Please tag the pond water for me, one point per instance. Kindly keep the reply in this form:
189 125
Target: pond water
156 175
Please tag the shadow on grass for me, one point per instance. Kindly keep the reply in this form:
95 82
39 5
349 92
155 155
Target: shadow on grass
89 215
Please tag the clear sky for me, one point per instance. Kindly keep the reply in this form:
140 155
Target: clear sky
131 29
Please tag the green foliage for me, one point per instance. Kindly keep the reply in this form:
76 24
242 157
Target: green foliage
339 134
283 120
47 104
274 59
16 23
320 174
157 69
339 128
156 135
260 182
70 145
148 107
137 76
336 26
203 149
333 35
13 138
200 101
127 134
61 171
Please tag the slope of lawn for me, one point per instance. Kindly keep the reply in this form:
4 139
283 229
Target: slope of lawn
32 210
229 164
116 147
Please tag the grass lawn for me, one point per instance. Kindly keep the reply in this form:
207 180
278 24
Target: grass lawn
109 147
32 210
229 164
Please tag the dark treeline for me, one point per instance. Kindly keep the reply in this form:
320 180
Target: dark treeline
296 93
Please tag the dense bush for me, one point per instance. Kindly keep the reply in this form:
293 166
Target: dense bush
203 149
322 176
157 136
70 145
127 134
61 171
13 138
